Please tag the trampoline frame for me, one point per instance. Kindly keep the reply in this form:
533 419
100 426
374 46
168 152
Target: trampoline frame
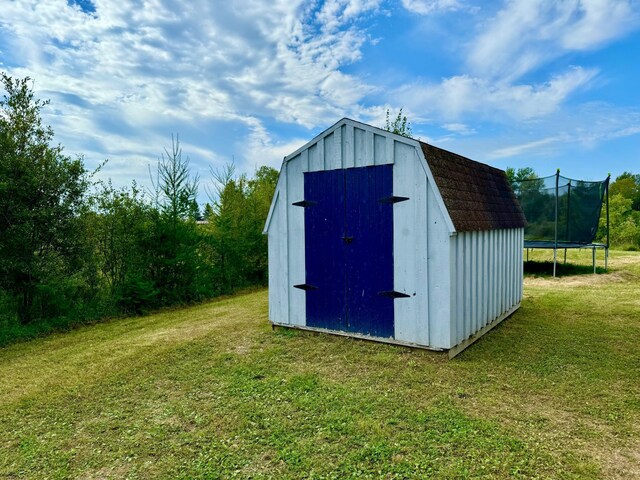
555 245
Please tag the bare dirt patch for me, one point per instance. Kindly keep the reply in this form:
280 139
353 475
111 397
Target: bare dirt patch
573 281
621 463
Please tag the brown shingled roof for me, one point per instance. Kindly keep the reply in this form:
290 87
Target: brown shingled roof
477 196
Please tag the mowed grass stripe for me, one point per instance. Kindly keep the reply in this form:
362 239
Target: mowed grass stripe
211 392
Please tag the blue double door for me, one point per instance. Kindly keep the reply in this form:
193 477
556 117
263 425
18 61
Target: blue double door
349 250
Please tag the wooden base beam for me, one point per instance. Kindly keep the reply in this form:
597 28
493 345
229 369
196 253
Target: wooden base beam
452 352
476 336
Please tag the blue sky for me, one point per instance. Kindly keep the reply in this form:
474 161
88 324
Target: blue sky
514 83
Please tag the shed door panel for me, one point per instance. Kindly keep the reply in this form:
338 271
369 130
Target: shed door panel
369 258
349 250
324 250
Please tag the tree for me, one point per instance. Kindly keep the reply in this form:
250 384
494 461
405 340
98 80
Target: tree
400 125
627 185
42 194
207 212
122 228
260 192
624 223
516 176
175 242
229 207
175 190
240 207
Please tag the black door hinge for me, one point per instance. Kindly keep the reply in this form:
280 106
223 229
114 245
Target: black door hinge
304 203
393 294
393 199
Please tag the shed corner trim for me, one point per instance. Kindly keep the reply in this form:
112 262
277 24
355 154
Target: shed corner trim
272 207
443 208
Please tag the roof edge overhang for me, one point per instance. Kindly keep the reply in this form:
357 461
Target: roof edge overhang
439 200
276 193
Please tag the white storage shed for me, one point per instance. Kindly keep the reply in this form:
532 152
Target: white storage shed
379 236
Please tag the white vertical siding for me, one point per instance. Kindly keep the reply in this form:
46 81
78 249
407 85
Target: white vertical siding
438 272
295 232
457 294
520 276
316 163
278 305
380 150
487 267
348 139
348 147
333 151
484 274
304 159
368 155
359 147
410 245
453 288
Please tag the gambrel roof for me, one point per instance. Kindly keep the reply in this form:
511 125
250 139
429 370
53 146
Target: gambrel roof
473 196
478 197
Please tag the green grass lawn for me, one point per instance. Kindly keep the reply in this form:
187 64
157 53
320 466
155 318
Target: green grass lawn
212 392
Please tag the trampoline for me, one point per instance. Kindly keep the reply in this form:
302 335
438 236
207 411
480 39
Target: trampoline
563 213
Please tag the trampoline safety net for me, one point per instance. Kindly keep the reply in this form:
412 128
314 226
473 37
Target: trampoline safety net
579 204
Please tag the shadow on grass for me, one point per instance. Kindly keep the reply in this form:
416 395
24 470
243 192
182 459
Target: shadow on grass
533 268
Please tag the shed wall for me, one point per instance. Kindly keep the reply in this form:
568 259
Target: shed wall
295 241
346 147
421 254
457 283
421 234
277 250
486 272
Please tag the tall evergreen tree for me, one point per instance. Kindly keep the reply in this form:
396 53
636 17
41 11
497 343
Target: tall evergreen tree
176 237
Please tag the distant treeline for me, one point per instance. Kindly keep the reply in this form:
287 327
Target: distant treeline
624 208
75 250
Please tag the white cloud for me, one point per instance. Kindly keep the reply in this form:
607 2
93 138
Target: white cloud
459 96
233 77
459 128
425 7
137 67
585 126
515 150
335 13
525 34
263 150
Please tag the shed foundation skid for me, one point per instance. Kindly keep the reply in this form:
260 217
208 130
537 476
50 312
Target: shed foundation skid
451 353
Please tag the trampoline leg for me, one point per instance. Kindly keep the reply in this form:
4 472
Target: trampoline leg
527 254
565 256
593 254
606 259
555 252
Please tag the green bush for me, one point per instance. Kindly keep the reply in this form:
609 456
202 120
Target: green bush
81 250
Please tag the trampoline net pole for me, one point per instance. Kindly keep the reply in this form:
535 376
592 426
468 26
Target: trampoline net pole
555 244
606 249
